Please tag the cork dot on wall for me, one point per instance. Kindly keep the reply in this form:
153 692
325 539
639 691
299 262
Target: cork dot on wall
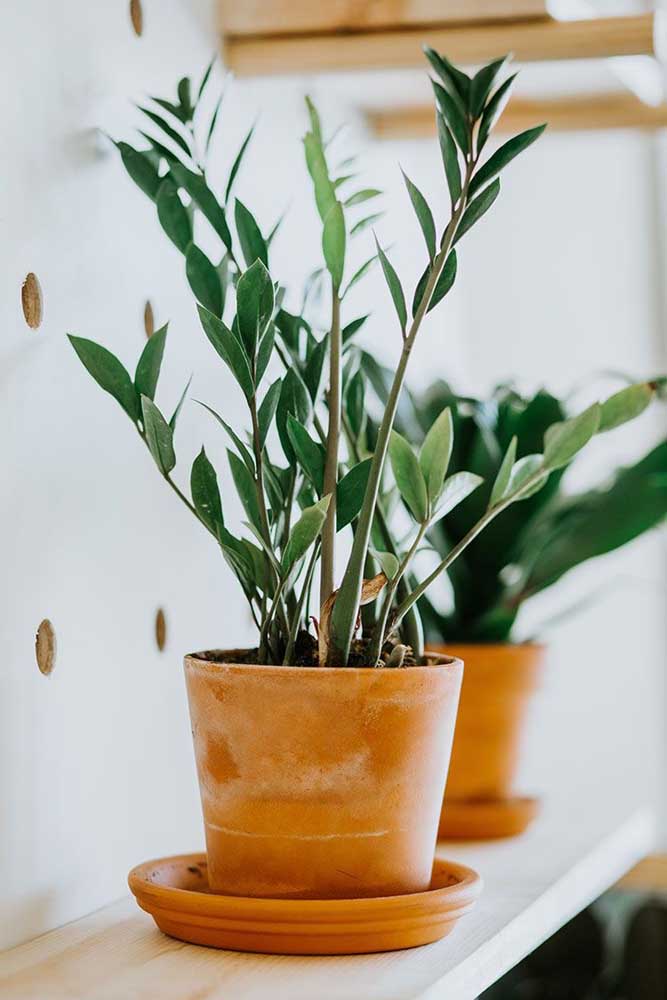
149 319
31 301
45 647
160 629
137 17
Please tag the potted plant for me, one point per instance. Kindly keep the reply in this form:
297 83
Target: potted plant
526 550
322 752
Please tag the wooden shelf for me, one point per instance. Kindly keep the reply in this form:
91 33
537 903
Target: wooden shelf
563 114
533 885
530 40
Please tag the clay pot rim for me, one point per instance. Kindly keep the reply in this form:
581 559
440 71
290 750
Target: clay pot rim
200 660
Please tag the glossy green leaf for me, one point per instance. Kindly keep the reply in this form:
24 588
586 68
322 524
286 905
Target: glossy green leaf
109 374
206 77
355 400
242 449
140 169
304 533
246 487
493 111
237 163
170 132
267 410
359 274
149 364
424 215
408 476
481 85
524 481
203 197
206 494
395 288
456 489
159 436
333 243
184 96
312 374
476 209
365 223
215 117
293 399
388 563
499 160
252 242
254 305
624 405
450 158
502 480
436 452
442 287
563 440
310 454
350 493
265 352
229 348
454 116
455 81
173 215
179 406
359 197
204 280
353 327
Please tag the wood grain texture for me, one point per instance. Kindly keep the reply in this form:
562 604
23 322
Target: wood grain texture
533 884
530 41
563 114
284 17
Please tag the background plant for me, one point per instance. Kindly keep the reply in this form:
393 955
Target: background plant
306 467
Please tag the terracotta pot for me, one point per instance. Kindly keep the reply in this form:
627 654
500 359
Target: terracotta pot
499 682
321 783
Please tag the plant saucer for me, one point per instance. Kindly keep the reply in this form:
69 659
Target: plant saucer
486 819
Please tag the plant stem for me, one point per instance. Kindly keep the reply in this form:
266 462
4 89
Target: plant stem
454 553
345 609
331 462
298 611
380 634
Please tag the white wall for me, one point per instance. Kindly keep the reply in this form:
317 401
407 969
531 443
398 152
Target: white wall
96 769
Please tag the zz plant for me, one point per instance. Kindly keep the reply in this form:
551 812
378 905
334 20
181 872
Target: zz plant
306 468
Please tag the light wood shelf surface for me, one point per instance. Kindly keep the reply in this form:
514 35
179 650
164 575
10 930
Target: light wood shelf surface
576 113
530 41
533 885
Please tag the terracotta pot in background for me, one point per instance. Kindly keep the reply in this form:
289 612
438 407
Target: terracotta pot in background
499 682
321 783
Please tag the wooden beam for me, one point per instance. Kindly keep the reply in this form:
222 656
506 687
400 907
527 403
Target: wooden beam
285 17
650 875
530 41
563 114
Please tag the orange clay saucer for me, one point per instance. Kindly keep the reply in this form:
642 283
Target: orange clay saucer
175 893
486 819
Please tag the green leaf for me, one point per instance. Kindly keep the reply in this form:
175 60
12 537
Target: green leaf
455 81
362 224
214 121
388 563
293 399
408 476
203 197
175 137
481 85
522 472
424 215
455 490
502 479
312 374
624 405
359 197
229 348
476 209
351 328
265 352
436 452
148 366
443 284
140 169
173 109
359 274
183 91
355 403
206 494
252 242
493 111
310 454
205 78
173 215
325 193
159 436
109 374
204 280
267 410
333 243
254 305
350 493
304 533
564 439
237 163
503 156
236 440
454 116
395 288
246 488
179 406
450 159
